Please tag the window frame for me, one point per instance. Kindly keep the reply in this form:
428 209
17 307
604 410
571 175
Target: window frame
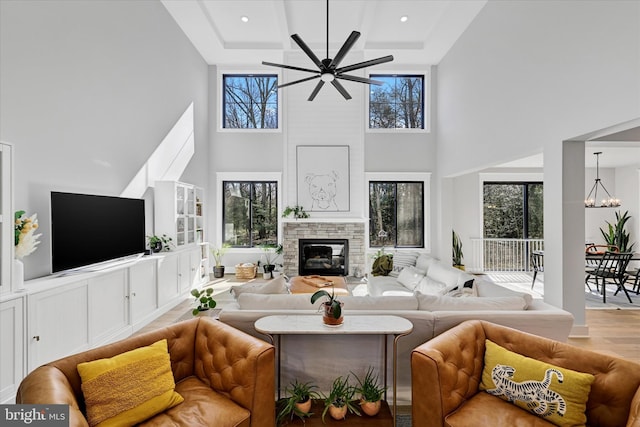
425 179
220 98
222 177
426 108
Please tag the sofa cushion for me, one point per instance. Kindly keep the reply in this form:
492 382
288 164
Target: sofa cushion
130 387
402 260
429 286
274 286
251 301
409 277
450 276
424 261
488 289
387 302
558 395
448 303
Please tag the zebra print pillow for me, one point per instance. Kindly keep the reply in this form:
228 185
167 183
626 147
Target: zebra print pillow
556 394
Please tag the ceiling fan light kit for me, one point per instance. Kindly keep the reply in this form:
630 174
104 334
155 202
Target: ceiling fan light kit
328 70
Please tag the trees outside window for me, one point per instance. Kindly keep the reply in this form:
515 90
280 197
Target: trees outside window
513 210
250 101
396 212
398 103
250 213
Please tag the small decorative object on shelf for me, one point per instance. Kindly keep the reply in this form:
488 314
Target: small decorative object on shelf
340 399
370 392
331 309
204 300
159 243
299 401
26 242
297 211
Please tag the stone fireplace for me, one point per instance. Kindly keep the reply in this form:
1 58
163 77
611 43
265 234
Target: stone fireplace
313 230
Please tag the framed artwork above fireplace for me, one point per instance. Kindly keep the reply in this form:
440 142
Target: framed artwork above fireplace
323 177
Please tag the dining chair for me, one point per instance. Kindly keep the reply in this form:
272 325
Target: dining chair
593 253
537 262
612 270
635 272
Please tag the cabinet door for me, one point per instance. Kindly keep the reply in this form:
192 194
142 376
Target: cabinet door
143 295
58 323
12 335
108 307
167 279
185 276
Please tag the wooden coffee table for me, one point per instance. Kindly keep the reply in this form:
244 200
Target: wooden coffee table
313 283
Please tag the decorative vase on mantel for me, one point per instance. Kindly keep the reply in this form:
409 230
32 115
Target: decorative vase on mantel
18 275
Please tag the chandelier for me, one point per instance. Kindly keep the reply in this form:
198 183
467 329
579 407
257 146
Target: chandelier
591 201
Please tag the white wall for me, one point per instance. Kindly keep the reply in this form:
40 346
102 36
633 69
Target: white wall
89 89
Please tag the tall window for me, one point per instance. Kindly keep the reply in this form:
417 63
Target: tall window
398 103
396 214
250 213
250 101
513 210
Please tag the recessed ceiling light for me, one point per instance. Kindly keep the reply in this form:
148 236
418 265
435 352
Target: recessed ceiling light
244 19
404 18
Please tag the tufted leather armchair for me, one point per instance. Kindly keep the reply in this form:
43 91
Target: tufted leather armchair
447 370
226 377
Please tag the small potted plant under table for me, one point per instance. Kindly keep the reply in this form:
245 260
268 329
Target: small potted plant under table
370 392
299 400
340 399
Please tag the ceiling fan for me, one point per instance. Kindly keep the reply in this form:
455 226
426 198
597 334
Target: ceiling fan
328 70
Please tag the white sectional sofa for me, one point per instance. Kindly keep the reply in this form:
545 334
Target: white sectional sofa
434 303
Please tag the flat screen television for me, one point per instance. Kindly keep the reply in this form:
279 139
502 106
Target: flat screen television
89 229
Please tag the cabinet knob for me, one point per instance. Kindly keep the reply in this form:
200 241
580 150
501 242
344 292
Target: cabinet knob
37 337
134 294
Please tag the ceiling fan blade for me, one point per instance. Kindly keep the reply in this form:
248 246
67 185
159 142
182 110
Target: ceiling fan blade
348 44
296 38
364 64
341 89
298 81
316 90
290 67
359 79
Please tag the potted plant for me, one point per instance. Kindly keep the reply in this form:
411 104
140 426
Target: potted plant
370 392
158 243
204 300
457 251
331 308
340 399
299 400
271 252
616 235
297 211
218 253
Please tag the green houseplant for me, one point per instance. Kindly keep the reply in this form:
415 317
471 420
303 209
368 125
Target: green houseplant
331 308
616 235
370 392
339 401
204 300
299 400
271 253
457 255
297 211
218 253
159 243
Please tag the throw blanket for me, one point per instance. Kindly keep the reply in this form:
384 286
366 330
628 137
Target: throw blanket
382 265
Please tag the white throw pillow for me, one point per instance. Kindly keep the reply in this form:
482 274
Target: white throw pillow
447 303
274 286
402 260
409 277
424 261
429 286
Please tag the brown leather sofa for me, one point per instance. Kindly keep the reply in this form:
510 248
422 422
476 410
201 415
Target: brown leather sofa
447 370
226 377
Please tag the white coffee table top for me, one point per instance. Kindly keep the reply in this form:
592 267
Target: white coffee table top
353 324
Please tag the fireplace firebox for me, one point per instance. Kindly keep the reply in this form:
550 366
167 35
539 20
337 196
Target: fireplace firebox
323 257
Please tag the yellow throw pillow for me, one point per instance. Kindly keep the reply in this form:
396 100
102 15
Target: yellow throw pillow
556 394
130 387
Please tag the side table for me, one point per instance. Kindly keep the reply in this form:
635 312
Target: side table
309 324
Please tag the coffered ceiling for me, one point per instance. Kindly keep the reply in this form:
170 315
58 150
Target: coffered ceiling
217 29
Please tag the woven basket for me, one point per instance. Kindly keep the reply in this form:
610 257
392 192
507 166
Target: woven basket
243 272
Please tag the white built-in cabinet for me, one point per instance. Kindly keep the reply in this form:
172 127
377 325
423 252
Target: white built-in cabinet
12 354
179 212
143 293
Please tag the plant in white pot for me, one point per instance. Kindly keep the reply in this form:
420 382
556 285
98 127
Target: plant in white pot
271 253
